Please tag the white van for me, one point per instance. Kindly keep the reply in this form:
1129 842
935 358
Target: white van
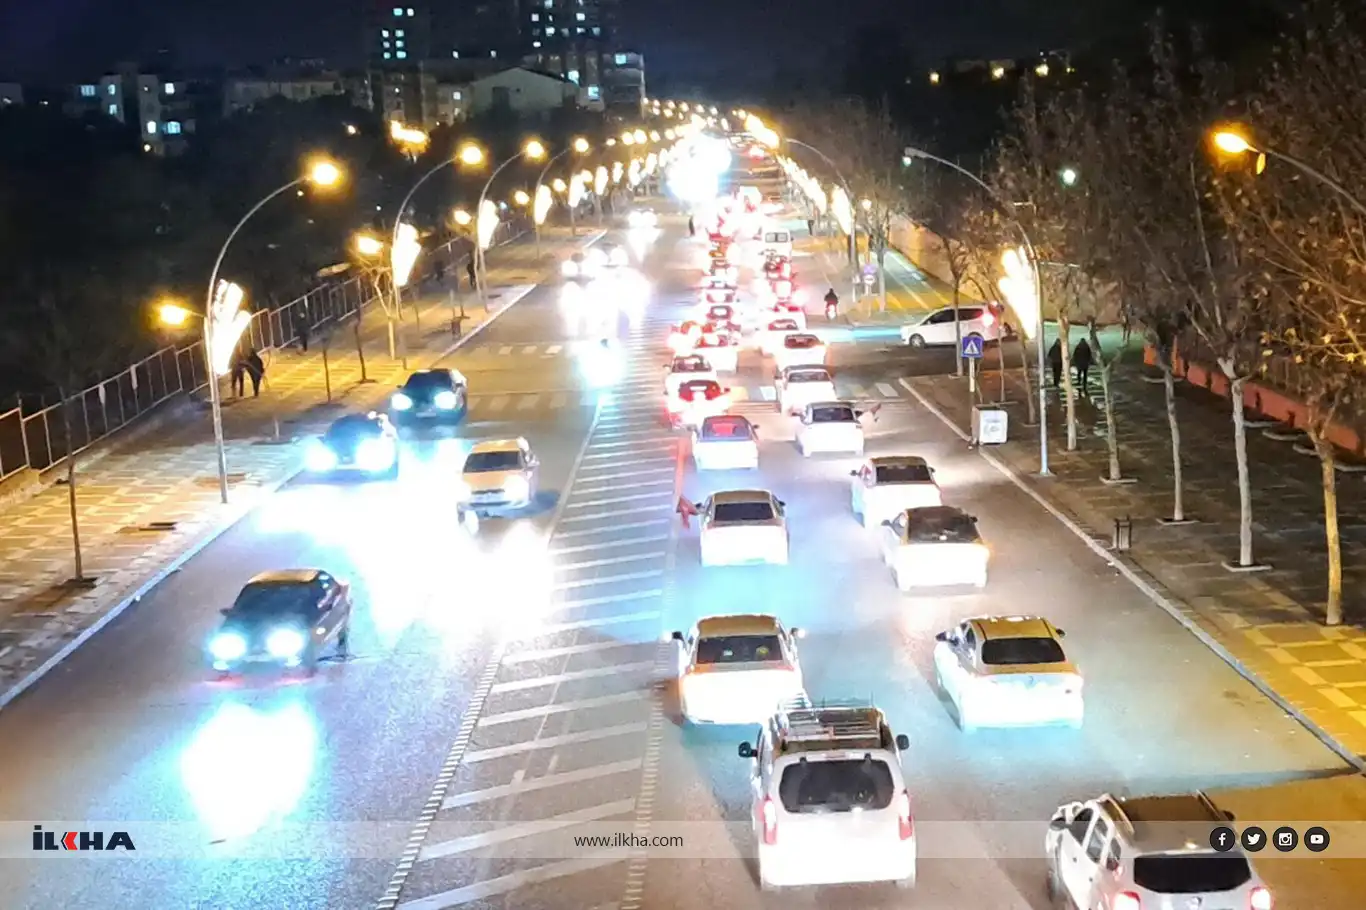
778 242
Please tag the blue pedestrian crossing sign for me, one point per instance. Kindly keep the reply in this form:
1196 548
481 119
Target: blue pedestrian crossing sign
972 347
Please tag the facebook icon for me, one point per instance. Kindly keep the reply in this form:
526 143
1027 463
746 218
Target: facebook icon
1222 839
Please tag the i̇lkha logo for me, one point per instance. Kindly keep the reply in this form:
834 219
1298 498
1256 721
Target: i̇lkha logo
81 840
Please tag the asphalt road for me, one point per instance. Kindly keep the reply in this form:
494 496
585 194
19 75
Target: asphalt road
132 730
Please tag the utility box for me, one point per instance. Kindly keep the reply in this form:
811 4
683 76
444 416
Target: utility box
990 425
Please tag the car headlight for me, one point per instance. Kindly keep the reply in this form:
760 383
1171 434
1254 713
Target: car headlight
569 269
462 490
285 643
445 400
227 646
618 257
517 488
634 219
401 401
375 455
320 458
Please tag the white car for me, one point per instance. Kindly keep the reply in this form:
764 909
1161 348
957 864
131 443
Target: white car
1106 852
1008 671
617 257
720 350
830 805
771 334
797 387
717 290
830 427
683 337
741 527
799 349
884 487
936 329
687 368
778 242
698 399
737 669
499 474
725 442
642 220
934 547
717 313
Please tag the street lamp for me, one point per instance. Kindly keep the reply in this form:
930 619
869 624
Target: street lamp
369 245
321 173
1068 176
1233 141
640 137
580 146
462 217
1009 211
532 151
628 138
853 233
558 185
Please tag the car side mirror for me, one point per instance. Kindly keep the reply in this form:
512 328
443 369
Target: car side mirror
676 636
798 632
942 636
225 611
746 750
1058 823
853 473
1061 633
1111 864
886 522
903 741
782 504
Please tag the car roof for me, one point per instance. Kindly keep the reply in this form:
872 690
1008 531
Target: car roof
737 496
744 624
285 577
989 628
724 419
831 404
499 445
806 368
803 336
933 512
898 461
1168 823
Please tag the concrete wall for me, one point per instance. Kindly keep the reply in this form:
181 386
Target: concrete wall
528 93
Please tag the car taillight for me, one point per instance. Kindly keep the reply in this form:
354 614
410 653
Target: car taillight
685 394
905 822
1259 899
1126 900
988 319
713 394
770 819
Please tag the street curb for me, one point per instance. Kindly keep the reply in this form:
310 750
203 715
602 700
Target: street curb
28 680
1145 587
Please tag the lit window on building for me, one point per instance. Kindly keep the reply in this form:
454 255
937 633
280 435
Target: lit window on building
388 56
455 55
87 91
580 16
398 44
399 33
549 4
535 17
113 89
597 31
402 55
386 45
173 128
549 31
398 11
578 31
410 12
151 126
535 44
620 59
384 33
457 95
594 93
493 55
573 76
113 110
170 88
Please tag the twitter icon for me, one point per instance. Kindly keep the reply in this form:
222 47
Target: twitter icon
1253 839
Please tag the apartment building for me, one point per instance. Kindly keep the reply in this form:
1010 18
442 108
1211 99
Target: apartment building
161 107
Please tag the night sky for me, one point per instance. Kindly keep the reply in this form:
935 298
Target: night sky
69 39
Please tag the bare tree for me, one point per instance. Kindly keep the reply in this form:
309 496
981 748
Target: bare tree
377 276
940 208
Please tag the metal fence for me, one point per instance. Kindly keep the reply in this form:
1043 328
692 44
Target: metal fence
38 440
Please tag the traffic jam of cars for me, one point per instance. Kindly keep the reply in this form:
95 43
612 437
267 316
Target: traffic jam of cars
828 773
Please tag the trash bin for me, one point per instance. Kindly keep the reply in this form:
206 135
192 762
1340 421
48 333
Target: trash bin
989 425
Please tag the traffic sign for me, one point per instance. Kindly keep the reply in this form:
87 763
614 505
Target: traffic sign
972 347
870 269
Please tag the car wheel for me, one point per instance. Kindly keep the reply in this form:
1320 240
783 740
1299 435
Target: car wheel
344 642
915 341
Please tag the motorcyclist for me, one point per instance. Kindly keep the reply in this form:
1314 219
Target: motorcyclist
832 304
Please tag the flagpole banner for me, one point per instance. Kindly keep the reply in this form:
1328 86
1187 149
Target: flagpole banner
557 838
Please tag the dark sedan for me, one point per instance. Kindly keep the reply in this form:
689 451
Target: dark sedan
364 444
285 618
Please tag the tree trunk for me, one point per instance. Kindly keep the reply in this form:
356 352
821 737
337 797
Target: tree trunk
1068 390
393 347
1174 429
78 562
882 277
957 335
360 348
1235 394
1332 533
1106 365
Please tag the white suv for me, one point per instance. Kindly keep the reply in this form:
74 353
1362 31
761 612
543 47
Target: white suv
936 329
829 799
1148 853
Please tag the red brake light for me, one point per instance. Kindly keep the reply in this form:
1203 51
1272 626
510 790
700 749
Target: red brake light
1259 899
903 815
770 820
1126 900
713 392
988 318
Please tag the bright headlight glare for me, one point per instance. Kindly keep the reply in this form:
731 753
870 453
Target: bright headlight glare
228 646
285 643
375 454
462 490
445 400
401 401
320 457
569 269
517 488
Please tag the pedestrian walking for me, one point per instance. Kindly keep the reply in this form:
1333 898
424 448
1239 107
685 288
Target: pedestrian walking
692 227
239 374
1055 362
811 226
301 326
1081 362
256 369
469 270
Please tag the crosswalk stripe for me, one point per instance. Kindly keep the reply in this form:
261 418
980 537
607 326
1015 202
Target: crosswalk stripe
529 349
545 782
558 400
527 403
553 350
520 830
513 881
887 390
498 402
768 393
505 349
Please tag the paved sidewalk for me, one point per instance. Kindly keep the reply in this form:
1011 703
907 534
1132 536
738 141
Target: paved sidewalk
153 503
1268 623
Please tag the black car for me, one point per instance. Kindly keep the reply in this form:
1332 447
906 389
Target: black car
284 618
431 395
363 444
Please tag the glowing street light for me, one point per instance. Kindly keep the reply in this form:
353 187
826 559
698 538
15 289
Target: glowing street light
471 155
532 150
654 135
1233 141
173 314
1069 176
462 217
610 142
581 146
640 137
369 245
521 197
669 134
558 185
628 138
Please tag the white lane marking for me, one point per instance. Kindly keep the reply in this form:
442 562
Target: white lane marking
607 580
563 707
528 402
535 654
498 402
553 350
554 742
617 432
608 545
858 391
662 469
655 443
558 401
505 350
606 599
546 782
613 561
617 620
768 393
660 460
613 487
611 501
536 682
457 897
526 829
887 390
529 349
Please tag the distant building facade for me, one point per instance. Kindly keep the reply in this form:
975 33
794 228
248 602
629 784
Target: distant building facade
11 93
162 108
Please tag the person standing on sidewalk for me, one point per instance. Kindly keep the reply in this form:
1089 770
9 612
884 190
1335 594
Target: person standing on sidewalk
256 368
1081 362
692 227
1055 362
811 226
469 270
301 327
239 374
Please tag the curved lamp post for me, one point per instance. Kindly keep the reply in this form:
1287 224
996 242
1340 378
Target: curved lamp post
320 173
912 152
844 184
468 155
1231 141
532 151
579 146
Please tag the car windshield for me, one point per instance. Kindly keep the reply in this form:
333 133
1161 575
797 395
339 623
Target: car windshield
726 428
691 366
808 376
262 600
782 325
739 649
933 526
903 473
720 313
841 785
429 381
1009 652
742 511
351 428
833 414
1191 873
801 341
479 462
